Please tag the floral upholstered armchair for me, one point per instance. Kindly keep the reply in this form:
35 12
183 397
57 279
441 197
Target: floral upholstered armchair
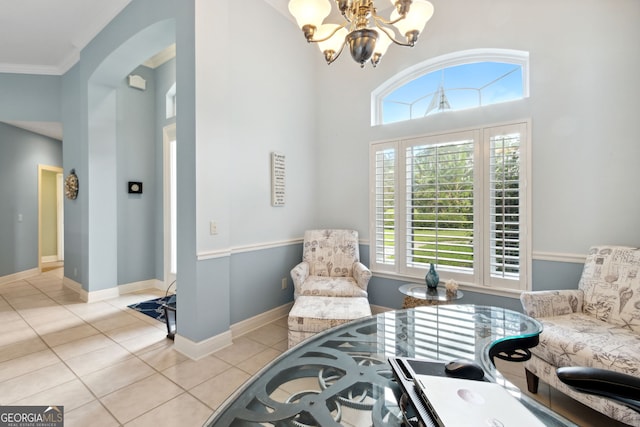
331 265
596 326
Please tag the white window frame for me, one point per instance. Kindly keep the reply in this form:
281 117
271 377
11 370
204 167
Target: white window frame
481 277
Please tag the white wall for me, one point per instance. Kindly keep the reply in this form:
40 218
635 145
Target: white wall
258 98
583 107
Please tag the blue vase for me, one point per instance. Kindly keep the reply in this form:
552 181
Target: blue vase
432 279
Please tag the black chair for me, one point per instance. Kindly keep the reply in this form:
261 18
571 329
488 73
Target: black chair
622 388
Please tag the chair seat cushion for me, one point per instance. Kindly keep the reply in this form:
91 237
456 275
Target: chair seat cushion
315 314
331 287
582 340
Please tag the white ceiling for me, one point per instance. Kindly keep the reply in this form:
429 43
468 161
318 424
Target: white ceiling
46 37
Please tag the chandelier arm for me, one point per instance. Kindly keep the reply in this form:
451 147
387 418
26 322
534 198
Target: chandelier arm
333 33
380 19
391 35
346 17
337 54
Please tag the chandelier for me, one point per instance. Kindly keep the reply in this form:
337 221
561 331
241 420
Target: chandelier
367 34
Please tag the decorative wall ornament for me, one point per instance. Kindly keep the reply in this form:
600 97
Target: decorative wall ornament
277 179
71 185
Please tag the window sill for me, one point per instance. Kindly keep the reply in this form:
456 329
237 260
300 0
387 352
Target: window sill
466 287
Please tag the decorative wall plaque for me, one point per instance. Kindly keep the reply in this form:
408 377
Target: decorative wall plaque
277 179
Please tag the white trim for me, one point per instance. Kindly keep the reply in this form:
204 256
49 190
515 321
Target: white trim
89 297
559 257
168 135
161 57
109 293
51 70
60 216
227 252
102 294
468 287
267 245
255 322
50 258
128 288
19 276
73 286
41 170
198 350
222 253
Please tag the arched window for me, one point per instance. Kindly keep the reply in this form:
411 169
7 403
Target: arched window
458 81
457 197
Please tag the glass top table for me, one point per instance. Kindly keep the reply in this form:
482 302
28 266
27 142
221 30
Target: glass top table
425 293
341 376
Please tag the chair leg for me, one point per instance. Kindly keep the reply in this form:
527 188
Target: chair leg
532 381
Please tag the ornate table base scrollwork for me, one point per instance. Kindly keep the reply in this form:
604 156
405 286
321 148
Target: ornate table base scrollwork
341 376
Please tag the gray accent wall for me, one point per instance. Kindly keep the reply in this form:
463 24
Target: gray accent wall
257 280
137 160
20 154
93 126
30 97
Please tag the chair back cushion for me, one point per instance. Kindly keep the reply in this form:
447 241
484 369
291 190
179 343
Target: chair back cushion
331 252
611 284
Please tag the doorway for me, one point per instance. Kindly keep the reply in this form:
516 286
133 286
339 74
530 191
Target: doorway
50 218
170 204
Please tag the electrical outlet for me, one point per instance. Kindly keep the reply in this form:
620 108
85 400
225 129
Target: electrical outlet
284 283
213 228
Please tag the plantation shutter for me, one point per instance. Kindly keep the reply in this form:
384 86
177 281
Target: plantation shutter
384 204
459 200
505 206
439 189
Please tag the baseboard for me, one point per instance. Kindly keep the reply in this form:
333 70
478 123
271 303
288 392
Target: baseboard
50 258
75 287
93 296
105 294
198 350
255 322
128 288
19 276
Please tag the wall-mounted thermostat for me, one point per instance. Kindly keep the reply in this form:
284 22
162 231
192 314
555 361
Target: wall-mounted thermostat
134 187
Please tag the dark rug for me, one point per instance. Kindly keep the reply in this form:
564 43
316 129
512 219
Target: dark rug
153 307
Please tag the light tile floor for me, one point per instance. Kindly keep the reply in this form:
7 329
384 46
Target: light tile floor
109 365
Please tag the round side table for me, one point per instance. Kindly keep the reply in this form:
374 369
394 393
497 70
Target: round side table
417 295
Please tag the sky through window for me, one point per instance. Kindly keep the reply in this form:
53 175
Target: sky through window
454 88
